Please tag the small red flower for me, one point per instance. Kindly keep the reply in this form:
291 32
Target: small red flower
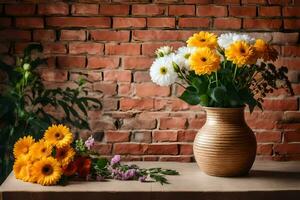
70 169
83 165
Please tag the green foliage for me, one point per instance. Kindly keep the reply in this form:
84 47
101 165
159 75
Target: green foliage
23 103
232 86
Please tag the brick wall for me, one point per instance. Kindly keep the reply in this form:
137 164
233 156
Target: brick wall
111 43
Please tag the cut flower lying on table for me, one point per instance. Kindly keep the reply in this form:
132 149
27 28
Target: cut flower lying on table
228 71
55 159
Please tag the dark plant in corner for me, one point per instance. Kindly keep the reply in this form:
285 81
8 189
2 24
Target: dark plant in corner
23 103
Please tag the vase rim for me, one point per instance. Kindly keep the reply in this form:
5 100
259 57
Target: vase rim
221 108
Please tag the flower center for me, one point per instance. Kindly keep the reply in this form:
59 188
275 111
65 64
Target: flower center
242 50
163 70
202 40
186 56
58 136
47 170
203 59
43 150
25 150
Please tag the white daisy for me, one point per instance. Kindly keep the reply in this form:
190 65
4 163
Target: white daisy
226 39
162 72
163 51
182 56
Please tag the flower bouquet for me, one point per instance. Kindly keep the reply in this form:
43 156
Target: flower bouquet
226 71
55 159
222 74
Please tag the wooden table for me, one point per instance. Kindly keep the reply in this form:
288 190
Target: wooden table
267 180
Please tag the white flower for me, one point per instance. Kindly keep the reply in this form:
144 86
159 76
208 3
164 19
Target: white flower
182 56
163 51
226 39
243 37
162 72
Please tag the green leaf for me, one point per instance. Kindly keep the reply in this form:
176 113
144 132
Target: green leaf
200 83
190 96
204 100
219 94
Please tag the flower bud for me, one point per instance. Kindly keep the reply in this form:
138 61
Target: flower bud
26 66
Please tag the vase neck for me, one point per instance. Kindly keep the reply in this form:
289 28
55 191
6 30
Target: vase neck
225 115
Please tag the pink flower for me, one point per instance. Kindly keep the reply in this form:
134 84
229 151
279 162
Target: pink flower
89 142
116 159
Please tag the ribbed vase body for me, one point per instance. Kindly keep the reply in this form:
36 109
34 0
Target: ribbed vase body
225 145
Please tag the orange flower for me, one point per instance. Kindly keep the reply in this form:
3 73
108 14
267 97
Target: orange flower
83 165
70 169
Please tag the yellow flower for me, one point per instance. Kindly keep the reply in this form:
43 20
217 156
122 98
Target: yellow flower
203 39
47 171
22 169
265 51
58 135
21 147
204 61
40 149
241 53
65 155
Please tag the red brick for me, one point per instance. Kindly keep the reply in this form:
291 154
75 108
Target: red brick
180 10
173 123
72 35
119 22
15 35
44 35
227 23
161 35
141 136
211 10
194 22
113 10
291 136
283 38
20 9
85 9
96 62
269 11
196 123
108 89
291 24
163 22
186 149
263 120
291 51
148 9
104 123
124 89
227 1
292 116
164 136
86 48
280 2
149 48
286 148
265 24
137 124
162 149
102 149
127 104
186 135
129 148
54 48
281 104
123 49
268 136
201 1
254 1
57 8
117 75
291 11
97 22
242 11
5 22
141 77
30 22
291 63
150 89
264 149
54 75
71 61
137 63
4 48
117 136
108 35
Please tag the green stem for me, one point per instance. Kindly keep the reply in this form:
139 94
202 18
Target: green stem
180 85
217 79
234 74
